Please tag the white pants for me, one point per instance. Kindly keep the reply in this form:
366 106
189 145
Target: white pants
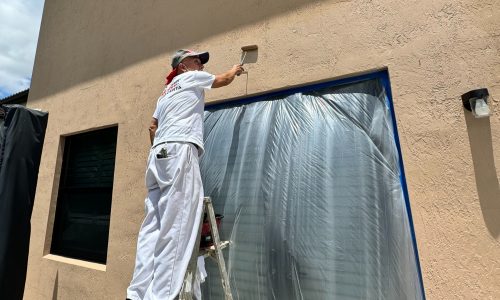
170 228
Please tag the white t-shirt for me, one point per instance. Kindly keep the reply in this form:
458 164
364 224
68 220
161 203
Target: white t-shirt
180 109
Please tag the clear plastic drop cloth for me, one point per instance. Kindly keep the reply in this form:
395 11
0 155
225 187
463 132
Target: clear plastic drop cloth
310 189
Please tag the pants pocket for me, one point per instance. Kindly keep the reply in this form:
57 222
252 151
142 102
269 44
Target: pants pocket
167 167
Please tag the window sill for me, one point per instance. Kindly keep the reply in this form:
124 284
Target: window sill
76 262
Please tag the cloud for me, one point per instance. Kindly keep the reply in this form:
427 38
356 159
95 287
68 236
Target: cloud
19 28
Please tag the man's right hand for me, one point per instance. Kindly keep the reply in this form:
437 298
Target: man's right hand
237 69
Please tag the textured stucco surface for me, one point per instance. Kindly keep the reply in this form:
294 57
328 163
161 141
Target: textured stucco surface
103 63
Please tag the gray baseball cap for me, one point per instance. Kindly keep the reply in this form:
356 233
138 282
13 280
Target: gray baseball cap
181 54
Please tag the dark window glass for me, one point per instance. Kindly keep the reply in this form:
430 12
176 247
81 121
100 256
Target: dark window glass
81 226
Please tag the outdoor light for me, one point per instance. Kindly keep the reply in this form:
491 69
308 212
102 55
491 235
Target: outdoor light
477 102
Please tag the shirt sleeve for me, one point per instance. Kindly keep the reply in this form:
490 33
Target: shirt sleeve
204 79
156 113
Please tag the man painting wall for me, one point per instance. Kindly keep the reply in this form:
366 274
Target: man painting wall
175 192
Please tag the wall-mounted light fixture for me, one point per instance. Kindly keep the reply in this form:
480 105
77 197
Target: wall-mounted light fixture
477 102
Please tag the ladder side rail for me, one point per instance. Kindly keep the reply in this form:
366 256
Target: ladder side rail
218 251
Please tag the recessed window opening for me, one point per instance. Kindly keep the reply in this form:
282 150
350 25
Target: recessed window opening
81 227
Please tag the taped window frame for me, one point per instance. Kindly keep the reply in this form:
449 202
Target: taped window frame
380 74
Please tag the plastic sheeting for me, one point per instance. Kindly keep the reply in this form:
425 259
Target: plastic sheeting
310 188
22 132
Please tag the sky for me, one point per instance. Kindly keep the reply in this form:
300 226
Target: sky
19 28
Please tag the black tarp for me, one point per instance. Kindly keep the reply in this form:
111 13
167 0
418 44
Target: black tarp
22 132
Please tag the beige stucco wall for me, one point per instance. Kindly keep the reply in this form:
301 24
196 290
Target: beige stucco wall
100 63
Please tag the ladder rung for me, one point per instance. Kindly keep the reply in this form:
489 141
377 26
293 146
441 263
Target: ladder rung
210 251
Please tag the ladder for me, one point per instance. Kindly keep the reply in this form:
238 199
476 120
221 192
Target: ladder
214 252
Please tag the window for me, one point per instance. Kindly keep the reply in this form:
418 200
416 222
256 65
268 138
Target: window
81 225
311 185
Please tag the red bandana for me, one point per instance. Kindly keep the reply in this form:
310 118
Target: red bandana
171 76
